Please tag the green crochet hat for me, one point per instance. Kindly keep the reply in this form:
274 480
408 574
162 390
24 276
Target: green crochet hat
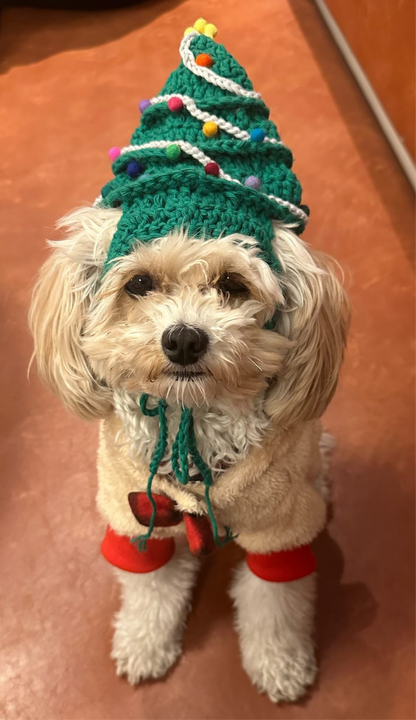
205 158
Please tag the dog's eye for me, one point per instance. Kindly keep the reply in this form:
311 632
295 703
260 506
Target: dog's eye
231 284
139 285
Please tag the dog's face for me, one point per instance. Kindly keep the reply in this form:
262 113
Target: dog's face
183 319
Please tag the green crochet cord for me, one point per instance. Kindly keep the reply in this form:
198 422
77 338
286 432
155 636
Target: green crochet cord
183 447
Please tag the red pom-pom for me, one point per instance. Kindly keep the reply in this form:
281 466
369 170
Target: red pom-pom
212 168
175 104
204 60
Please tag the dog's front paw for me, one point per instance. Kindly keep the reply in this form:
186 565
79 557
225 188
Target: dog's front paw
148 627
274 623
140 654
283 673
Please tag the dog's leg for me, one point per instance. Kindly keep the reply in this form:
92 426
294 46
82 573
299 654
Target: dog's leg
275 623
150 623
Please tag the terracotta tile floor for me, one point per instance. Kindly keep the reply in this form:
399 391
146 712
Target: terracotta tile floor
69 89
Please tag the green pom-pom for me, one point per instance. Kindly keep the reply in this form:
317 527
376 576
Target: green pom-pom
173 152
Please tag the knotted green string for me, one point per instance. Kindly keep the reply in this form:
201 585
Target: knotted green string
183 448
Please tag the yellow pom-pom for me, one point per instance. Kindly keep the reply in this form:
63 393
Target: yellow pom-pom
188 30
210 30
200 25
210 129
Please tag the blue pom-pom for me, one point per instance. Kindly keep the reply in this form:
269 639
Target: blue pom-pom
134 169
257 135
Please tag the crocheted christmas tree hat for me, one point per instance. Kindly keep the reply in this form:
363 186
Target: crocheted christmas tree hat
205 158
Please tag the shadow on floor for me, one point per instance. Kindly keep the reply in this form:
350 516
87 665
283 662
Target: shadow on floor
342 608
394 189
41 33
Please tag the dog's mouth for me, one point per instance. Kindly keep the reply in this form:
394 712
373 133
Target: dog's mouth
188 375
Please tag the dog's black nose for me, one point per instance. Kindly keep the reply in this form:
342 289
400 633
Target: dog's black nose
184 344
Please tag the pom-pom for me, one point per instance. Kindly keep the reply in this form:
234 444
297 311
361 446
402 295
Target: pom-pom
114 153
143 105
134 169
210 30
253 182
212 168
173 152
257 135
200 25
175 104
204 60
210 129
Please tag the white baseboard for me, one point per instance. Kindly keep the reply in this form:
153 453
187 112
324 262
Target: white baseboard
386 125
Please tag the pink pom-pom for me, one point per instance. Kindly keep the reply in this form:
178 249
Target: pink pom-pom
175 104
114 153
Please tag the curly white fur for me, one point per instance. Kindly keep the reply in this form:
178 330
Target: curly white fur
224 434
149 625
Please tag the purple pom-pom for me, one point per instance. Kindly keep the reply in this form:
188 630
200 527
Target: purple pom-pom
253 182
143 105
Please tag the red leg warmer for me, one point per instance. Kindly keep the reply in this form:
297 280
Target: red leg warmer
119 551
283 566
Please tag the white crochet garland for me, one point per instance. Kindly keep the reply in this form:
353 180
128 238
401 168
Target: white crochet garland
198 155
193 110
208 75
186 147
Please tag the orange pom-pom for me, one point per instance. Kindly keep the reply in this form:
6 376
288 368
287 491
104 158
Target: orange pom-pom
204 60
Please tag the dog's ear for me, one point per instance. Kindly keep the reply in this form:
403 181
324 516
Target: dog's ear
61 299
316 318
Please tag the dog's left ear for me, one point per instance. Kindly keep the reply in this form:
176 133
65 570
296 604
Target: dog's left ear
316 318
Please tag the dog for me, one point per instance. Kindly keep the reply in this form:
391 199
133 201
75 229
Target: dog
209 368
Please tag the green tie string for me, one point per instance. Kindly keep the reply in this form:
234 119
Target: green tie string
183 448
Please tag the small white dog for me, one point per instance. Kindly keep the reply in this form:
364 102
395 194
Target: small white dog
209 353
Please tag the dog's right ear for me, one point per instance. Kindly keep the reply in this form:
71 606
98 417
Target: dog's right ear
61 298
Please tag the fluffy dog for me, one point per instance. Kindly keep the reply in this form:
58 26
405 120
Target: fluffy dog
204 324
